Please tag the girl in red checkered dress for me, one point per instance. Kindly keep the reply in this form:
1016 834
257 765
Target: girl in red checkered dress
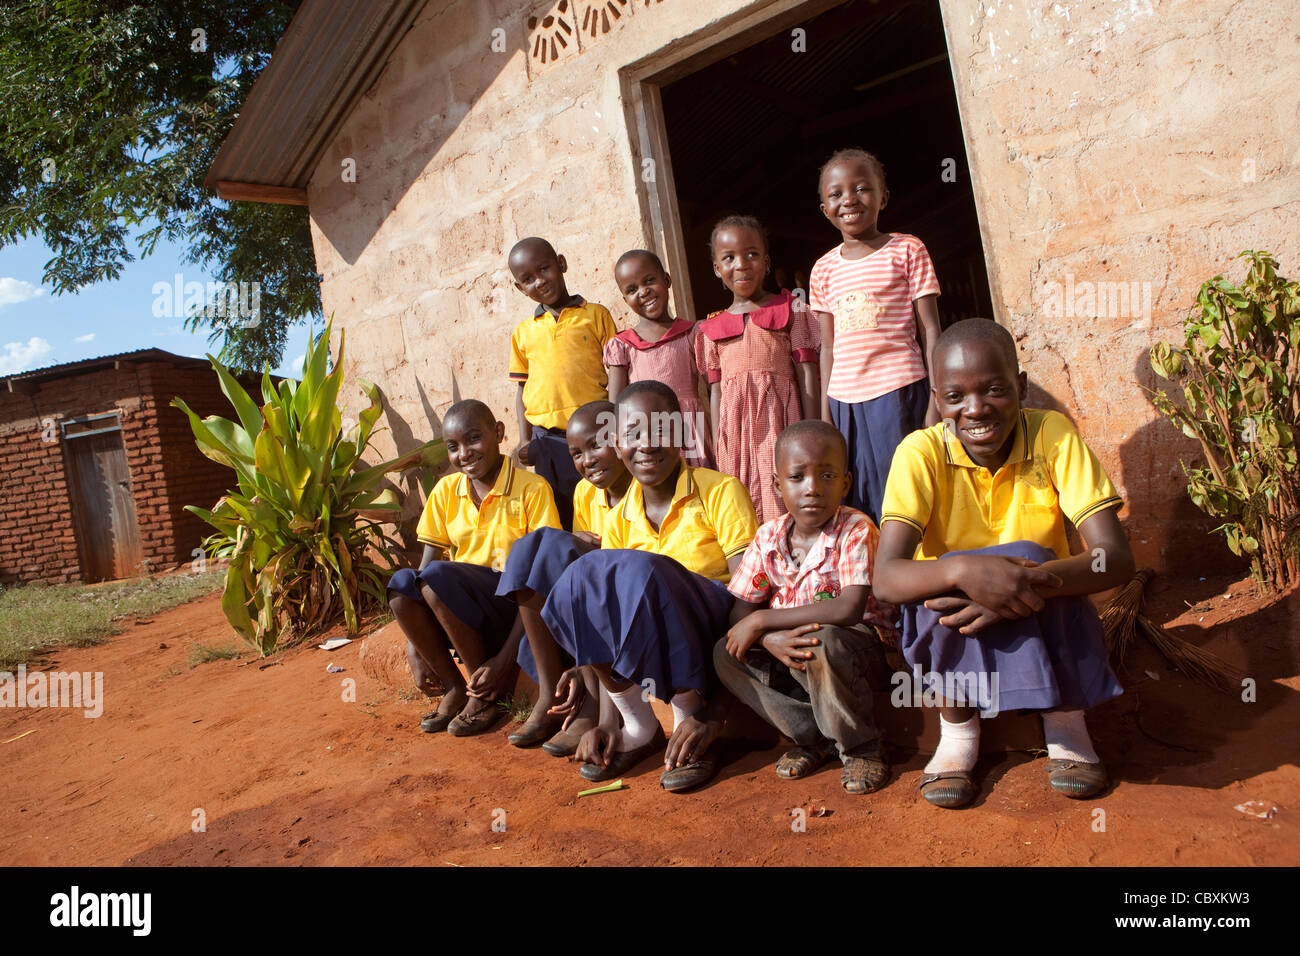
760 359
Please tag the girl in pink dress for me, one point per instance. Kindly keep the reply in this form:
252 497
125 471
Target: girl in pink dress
660 348
760 359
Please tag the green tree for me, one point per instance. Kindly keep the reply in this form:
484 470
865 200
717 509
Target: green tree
110 114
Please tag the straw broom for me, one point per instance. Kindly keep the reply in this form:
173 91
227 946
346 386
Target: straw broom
1122 619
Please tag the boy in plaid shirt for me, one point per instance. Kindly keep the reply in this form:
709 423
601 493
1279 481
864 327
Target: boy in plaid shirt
803 600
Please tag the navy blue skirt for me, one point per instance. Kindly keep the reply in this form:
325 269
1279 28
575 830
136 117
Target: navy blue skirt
536 561
873 430
1053 660
468 590
645 615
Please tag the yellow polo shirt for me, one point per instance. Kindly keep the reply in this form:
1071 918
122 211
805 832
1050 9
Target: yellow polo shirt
590 506
559 360
518 503
1049 476
711 519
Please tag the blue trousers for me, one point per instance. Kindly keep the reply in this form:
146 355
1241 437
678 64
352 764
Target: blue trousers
551 459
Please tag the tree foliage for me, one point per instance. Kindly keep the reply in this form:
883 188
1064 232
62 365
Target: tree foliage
110 115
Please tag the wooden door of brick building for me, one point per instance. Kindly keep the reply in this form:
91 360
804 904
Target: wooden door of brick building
108 537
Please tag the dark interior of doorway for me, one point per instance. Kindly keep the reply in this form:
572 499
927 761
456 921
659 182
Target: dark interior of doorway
749 133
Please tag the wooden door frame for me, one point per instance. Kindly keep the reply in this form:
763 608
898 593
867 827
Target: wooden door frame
641 83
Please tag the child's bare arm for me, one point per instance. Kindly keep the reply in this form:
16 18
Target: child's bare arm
1106 562
1008 587
523 452
809 392
430 555
827 358
742 609
617 381
927 327
715 405
845 610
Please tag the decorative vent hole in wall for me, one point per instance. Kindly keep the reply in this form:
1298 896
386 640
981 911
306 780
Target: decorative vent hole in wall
552 35
601 17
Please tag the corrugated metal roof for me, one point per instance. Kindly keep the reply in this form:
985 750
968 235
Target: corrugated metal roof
328 57
104 361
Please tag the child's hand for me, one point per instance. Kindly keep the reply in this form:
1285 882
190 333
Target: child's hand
524 453
490 680
1004 585
588 536
690 739
570 690
595 746
743 634
962 614
787 646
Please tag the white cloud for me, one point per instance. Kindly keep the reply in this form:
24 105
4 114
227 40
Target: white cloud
88 337
13 291
296 364
18 357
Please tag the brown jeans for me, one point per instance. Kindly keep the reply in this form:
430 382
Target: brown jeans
831 700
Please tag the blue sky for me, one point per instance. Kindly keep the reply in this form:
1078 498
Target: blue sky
38 328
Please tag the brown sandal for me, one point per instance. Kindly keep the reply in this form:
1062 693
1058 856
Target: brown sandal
863 774
480 723
802 761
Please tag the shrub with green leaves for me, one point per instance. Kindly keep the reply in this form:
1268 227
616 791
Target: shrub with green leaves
303 531
1239 369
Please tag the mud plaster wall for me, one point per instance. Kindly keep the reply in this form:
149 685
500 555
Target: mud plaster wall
1109 142
1130 142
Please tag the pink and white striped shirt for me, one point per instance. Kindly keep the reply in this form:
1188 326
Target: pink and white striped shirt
876 347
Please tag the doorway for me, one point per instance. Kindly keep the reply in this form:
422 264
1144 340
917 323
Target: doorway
108 537
746 131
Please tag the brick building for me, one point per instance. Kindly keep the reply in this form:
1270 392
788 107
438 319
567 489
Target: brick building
97 467
1076 169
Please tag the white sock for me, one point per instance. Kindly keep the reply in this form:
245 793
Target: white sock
959 746
639 721
679 704
1067 737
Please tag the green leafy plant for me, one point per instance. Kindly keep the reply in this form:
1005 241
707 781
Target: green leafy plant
303 531
1239 369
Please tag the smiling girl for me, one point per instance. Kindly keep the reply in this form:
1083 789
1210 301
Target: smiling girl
643 611
760 358
875 351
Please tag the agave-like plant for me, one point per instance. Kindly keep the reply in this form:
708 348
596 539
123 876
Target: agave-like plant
303 532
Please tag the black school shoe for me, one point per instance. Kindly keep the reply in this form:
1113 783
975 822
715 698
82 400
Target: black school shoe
435 723
624 760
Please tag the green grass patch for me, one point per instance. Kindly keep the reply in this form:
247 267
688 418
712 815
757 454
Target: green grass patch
518 707
36 617
203 654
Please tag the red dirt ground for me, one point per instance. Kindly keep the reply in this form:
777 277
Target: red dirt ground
285 772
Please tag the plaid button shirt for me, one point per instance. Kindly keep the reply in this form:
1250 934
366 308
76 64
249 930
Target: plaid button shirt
843 556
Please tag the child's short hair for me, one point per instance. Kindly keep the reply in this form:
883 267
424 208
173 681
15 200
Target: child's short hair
979 330
532 242
810 428
593 409
643 253
853 156
738 222
468 410
650 386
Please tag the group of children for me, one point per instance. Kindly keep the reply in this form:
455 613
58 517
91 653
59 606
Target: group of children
858 477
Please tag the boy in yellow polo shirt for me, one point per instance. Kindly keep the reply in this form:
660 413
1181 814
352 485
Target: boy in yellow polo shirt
1003 608
644 611
470 522
556 360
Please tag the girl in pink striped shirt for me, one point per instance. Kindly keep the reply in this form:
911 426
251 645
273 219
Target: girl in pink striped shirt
875 348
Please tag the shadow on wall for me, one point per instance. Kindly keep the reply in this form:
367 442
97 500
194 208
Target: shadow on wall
394 146
411 484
